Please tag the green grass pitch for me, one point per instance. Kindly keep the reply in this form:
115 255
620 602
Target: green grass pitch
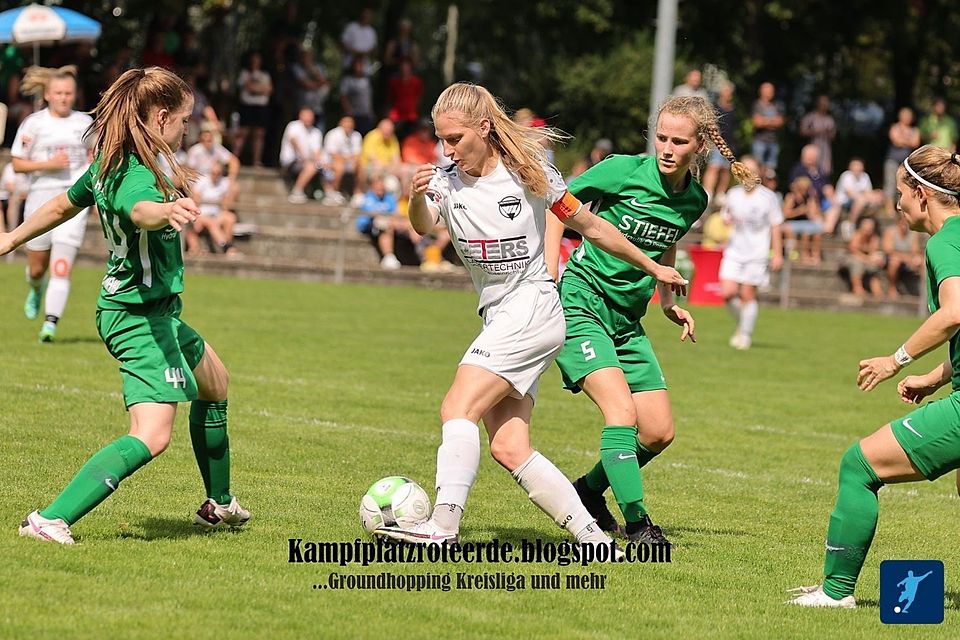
335 387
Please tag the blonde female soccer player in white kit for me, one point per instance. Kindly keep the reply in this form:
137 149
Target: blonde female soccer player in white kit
755 247
50 146
493 200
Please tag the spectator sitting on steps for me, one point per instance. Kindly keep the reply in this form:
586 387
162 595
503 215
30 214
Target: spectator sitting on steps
383 221
209 192
300 153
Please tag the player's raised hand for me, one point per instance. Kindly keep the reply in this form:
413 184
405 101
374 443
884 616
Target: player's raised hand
671 277
422 178
182 212
682 317
873 371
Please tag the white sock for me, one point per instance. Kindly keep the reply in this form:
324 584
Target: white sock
748 318
62 257
458 458
550 490
733 306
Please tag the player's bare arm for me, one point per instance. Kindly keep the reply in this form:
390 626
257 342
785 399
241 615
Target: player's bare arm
936 330
55 212
422 217
605 236
156 215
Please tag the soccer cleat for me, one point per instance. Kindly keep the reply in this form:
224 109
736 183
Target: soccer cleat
47 332
36 526
645 532
31 307
814 596
596 505
426 532
740 342
211 515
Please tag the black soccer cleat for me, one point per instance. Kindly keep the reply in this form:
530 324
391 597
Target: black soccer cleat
645 532
596 505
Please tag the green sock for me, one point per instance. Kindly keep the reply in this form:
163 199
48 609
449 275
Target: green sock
852 523
98 478
211 447
644 455
618 454
597 478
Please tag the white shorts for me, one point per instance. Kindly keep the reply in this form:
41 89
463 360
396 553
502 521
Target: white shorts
753 272
522 334
69 233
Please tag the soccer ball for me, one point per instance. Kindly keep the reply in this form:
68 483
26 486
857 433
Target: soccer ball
393 501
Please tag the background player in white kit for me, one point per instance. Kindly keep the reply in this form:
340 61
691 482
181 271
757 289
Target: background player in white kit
493 200
50 146
754 246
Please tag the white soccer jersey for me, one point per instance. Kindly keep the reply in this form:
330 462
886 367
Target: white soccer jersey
497 224
42 136
201 159
209 195
309 141
752 215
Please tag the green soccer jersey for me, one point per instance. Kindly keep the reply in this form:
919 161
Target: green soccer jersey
943 261
144 266
630 192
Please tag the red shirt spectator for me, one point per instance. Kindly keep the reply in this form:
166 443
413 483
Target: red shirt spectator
420 147
404 93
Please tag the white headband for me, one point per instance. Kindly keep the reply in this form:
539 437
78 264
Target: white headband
906 165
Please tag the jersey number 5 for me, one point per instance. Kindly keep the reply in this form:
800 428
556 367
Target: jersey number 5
588 351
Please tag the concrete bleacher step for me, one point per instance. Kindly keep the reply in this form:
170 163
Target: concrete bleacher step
277 212
281 242
843 301
308 270
264 181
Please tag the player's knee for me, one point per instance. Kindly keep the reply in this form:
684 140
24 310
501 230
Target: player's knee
855 469
157 442
658 439
620 414
454 408
507 455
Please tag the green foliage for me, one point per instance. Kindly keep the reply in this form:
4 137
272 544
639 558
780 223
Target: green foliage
606 94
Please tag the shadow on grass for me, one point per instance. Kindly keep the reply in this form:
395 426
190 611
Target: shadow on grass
79 340
168 529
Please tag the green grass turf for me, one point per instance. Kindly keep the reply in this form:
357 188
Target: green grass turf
335 387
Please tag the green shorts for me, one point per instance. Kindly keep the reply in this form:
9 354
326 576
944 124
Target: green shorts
599 336
930 436
157 351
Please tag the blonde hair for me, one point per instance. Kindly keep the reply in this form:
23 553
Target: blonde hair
937 166
37 79
519 145
704 118
120 122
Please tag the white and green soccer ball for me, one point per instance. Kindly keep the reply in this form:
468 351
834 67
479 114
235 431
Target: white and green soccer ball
393 501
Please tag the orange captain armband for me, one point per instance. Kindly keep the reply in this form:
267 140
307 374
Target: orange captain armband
566 207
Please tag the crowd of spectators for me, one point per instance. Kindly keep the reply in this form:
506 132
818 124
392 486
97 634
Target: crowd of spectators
878 255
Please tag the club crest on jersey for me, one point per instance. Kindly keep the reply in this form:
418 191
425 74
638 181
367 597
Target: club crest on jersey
509 207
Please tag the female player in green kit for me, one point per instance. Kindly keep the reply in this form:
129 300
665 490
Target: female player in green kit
924 444
653 201
162 360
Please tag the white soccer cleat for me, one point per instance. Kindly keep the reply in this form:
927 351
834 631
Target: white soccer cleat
211 515
36 526
426 532
813 596
740 342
